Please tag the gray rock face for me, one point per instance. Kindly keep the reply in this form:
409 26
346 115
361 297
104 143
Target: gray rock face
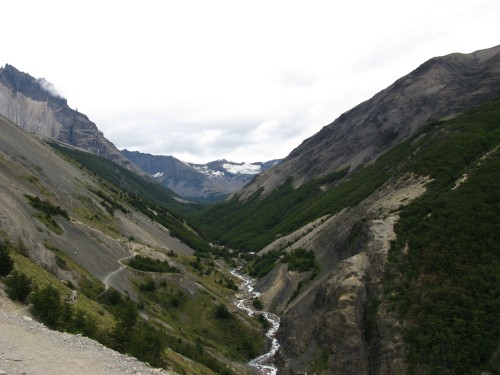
442 86
338 315
33 105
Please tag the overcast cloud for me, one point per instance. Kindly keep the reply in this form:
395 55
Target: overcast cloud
246 81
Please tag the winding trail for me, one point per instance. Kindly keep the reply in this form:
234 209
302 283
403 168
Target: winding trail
115 272
263 363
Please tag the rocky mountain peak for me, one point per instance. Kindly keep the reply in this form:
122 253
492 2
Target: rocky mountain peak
442 86
37 89
35 105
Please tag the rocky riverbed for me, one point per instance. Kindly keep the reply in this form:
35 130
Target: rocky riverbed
263 363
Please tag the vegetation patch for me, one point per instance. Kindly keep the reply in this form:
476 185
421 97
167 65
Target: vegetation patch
445 264
300 260
46 211
151 265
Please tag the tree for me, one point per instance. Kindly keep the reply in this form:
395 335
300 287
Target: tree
82 323
122 333
221 312
6 262
18 286
47 306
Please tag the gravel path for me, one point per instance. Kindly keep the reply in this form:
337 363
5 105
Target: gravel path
28 347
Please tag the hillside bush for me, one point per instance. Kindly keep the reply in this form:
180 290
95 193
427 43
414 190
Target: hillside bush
151 265
47 306
445 263
6 262
18 286
300 260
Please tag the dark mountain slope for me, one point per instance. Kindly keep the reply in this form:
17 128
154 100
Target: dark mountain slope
442 86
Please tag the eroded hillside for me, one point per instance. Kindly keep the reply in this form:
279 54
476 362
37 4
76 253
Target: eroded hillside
139 289
400 280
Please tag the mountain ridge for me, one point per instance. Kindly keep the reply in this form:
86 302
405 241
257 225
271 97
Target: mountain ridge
377 248
441 86
34 106
214 180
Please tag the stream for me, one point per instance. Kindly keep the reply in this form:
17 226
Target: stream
263 363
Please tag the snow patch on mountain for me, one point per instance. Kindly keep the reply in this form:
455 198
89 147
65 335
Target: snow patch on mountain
207 171
158 174
244 168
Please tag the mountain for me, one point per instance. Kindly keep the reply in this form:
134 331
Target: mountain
376 240
34 105
214 180
107 257
442 86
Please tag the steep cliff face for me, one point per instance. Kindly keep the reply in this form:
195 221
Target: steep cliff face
33 105
442 86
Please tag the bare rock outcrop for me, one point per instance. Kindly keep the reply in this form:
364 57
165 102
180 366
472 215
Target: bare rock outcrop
339 315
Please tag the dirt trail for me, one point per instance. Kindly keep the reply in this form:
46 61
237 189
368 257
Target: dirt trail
112 274
28 347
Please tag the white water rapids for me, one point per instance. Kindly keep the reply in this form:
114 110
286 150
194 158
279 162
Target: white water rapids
263 363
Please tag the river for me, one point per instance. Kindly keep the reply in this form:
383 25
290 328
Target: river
263 363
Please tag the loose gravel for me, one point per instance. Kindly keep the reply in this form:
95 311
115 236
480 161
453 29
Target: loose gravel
28 347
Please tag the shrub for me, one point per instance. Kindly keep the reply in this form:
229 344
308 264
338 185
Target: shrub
300 260
151 265
18 286
221 312
47 306
257 304
148 286
6 262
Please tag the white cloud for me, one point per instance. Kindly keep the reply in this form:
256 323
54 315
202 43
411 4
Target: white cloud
223 79
49 87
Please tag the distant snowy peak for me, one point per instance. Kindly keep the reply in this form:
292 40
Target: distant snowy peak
207 171
224 168
212 181
242 168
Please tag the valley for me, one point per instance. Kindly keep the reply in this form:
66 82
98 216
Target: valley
373 248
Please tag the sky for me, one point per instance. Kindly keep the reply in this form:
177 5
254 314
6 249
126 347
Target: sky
238 80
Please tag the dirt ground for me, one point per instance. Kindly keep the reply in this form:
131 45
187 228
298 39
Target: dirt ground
28 347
